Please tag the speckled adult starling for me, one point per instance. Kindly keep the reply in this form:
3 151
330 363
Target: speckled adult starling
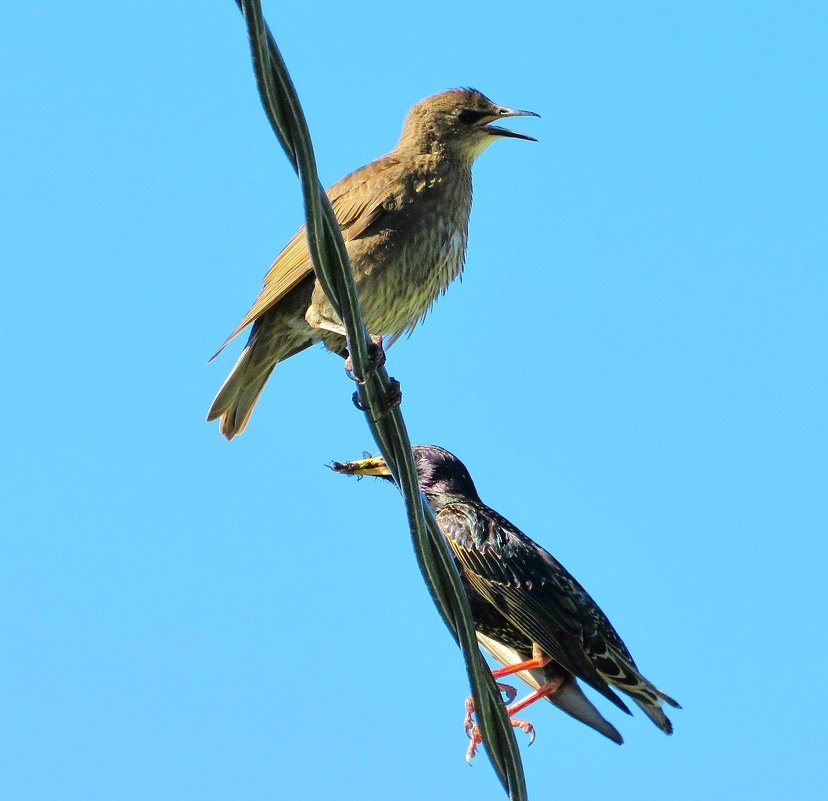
405 220
529 611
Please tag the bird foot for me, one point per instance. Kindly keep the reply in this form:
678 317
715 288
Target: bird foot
507 690
393 399
476 739
525 726
376 359
473 731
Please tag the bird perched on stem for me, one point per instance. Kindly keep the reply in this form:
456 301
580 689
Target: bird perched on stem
404 218
528 611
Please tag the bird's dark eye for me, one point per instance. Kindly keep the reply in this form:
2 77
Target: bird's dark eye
469 117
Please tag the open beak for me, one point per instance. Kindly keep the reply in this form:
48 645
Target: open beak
502 113
370 466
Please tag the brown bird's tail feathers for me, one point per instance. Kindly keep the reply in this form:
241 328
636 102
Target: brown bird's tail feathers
235 400
241 389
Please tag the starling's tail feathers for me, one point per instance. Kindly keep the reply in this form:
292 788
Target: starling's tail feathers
656 714
666 698
570 698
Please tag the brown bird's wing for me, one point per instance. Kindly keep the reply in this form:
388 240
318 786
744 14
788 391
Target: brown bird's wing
526 584
359 200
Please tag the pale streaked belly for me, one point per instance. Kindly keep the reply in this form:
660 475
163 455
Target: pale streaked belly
399 291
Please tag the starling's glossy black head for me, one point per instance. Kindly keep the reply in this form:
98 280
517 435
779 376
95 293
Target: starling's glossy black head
457 120
440 473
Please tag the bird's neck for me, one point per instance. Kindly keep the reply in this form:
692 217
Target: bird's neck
437 500
424 141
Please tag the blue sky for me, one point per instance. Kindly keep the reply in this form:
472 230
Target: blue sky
633 369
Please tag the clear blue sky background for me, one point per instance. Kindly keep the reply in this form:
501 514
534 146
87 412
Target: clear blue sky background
633 368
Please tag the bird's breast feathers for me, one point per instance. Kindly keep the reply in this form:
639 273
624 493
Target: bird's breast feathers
412 271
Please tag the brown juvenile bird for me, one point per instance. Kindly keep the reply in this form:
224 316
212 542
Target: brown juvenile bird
405 220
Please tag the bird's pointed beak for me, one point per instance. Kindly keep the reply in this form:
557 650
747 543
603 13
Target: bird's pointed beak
502 113
370 466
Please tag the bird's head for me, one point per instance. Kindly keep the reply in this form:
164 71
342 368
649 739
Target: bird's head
439 473
458 122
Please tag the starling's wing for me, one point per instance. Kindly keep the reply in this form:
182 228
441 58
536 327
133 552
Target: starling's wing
613 661
359 200
606 649
510 571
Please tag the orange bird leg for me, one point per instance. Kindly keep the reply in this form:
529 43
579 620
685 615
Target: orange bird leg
524 725
536 662
468 724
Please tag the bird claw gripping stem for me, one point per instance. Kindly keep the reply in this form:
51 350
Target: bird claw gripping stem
376 359
476 738
393 399
468 722
472 730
